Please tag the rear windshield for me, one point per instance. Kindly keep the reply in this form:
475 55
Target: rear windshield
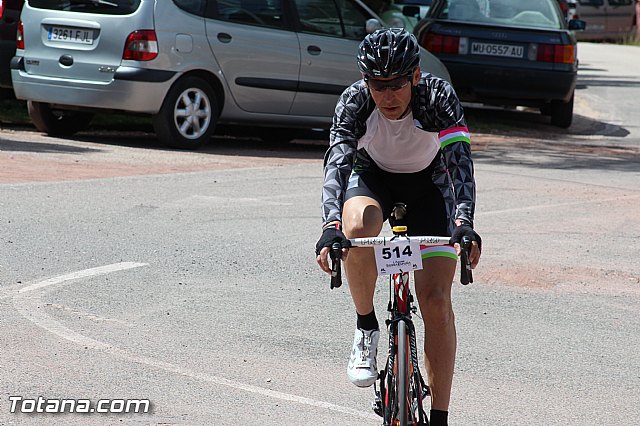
103 7
525 13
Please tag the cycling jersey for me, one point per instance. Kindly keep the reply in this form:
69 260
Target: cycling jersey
398 146
435 108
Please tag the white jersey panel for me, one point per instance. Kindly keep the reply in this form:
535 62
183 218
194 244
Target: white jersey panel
399 146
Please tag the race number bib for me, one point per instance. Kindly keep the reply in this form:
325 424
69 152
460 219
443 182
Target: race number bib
398 256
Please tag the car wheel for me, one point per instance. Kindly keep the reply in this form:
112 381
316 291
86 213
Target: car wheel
188 114
562 113
57 122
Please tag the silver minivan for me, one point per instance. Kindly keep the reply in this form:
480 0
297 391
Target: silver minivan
190 63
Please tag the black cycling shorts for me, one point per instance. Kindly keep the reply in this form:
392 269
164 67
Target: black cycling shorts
426 210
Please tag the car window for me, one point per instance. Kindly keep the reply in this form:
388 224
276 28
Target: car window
197 7
341 18
111 7
539 13
620 2
354 19
319 17
264 13
414 2
591 2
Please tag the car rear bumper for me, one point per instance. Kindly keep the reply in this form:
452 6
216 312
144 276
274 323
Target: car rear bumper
129 89
510 86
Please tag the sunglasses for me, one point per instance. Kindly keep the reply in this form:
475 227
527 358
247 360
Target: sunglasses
393 85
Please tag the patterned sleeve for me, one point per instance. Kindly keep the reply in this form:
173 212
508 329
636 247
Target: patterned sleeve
339 157
455 143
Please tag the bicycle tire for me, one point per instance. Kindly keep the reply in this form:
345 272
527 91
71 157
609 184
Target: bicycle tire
402 379
390 395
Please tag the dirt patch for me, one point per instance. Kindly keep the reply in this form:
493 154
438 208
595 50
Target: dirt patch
559 278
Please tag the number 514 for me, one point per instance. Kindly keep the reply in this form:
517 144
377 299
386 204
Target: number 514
387 252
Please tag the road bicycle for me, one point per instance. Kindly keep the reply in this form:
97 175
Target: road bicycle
401 388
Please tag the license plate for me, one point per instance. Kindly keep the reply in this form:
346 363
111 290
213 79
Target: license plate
70 35
504 50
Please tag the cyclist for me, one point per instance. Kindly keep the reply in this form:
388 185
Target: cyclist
400 135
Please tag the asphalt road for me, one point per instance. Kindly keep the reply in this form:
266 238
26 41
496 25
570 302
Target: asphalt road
131 272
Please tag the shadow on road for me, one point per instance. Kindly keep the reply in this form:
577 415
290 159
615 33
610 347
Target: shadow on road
530 123
7 144
226 141
526 138
532 153
523 137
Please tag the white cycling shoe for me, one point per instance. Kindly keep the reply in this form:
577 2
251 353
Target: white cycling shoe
362 369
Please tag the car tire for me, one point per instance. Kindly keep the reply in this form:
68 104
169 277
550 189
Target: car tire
546 109
562 113
57 122
188 114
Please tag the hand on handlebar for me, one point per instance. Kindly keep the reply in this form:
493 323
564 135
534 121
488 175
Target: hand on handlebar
468 245
330 236
476 243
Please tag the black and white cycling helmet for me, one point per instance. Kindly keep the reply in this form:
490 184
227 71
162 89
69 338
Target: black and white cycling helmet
388 52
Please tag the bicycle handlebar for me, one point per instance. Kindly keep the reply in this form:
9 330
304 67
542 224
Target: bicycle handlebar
336 270
335 254
466 276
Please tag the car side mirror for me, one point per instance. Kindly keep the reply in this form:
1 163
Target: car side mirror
411 11
372 25
577 25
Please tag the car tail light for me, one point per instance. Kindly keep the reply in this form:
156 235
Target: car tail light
141 45
1 8
557 53
20 36
438 43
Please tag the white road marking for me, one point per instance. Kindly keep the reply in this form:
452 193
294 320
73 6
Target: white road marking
29 304
547 206
100 270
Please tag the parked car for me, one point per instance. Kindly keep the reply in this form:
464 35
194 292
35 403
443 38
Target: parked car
9 17
506 52
402 13
606 19
190 63
568 8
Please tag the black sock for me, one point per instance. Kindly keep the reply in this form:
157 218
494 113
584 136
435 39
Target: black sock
438 418
368 322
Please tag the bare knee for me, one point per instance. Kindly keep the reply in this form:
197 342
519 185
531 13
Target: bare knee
437 310
362 222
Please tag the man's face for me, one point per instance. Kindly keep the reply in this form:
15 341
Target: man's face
393 95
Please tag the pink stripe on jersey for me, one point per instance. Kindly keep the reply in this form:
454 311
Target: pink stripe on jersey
453 130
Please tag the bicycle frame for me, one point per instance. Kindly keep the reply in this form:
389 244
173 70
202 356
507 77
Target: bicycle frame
402 376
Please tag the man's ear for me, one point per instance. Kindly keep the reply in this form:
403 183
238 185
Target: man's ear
416 76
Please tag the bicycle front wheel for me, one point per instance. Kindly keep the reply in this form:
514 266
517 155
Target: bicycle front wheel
402 379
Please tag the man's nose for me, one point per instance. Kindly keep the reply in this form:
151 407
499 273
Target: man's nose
387 93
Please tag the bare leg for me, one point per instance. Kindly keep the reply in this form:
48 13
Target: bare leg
361 217
433 290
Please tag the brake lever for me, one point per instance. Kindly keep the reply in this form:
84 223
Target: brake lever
466 275
336 270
